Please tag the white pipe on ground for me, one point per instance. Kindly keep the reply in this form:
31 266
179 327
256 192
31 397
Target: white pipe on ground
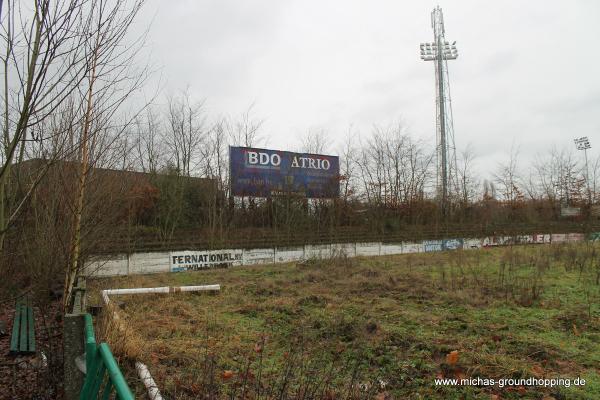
163 289
148 381
105 297
200 288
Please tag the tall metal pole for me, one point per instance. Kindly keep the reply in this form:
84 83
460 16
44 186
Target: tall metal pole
440 51
440 74
587 177
583 143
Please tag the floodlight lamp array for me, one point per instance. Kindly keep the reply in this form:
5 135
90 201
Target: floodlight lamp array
429 51
582 143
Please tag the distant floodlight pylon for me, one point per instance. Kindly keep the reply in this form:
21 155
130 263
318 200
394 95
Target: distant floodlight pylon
583 143
441 51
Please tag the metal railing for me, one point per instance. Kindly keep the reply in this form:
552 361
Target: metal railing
121 242
103 375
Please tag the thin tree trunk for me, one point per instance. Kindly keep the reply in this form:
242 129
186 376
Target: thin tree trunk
72 269
21 124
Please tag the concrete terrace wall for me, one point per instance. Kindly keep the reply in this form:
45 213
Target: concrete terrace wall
160 262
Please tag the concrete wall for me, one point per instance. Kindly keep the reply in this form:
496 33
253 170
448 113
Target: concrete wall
368 249
289 254
317 251
158 262
112 265
432 245
391 248
147 263
258 256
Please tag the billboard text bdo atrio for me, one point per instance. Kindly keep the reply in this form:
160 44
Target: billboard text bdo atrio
262 173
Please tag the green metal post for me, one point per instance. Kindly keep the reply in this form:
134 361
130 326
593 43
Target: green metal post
90 341
116 377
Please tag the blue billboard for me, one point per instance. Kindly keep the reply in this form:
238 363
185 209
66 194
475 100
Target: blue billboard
264 173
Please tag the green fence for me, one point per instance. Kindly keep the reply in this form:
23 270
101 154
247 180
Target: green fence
103 376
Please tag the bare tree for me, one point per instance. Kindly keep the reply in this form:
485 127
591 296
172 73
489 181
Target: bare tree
348 167
215 154
185 132
560 178
371 164
315 141
148 142
468 181
395 168
489 190
245 131
110 81
507 177
43 61
594 177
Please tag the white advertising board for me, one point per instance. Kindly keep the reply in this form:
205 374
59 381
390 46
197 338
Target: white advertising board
289 254
471 244
558 238
524 239
432 245
391 248
570 211
343 250
541 238
148 263
411 247
107 265
490 241
189 260
317 251
575 237
452 244
506 240
258 256
368 249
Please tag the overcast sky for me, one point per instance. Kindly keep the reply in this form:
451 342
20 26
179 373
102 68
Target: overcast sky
527 72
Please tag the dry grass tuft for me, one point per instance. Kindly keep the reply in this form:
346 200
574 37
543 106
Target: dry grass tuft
123 338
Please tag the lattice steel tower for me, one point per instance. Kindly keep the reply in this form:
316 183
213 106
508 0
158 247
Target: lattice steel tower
440 51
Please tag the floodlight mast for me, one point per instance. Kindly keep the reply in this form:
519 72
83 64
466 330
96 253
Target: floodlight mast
441 51
583 143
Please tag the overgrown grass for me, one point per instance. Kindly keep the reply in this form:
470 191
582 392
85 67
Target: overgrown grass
377 327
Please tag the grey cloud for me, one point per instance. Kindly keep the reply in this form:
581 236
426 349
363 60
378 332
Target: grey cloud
524 73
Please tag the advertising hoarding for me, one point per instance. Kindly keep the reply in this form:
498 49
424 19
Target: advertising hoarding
258 256
566 211
391 248
205 259
263 173
575 237
411 247
541 238
433 245
368 249
288 254
558 238
471 243
452 244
